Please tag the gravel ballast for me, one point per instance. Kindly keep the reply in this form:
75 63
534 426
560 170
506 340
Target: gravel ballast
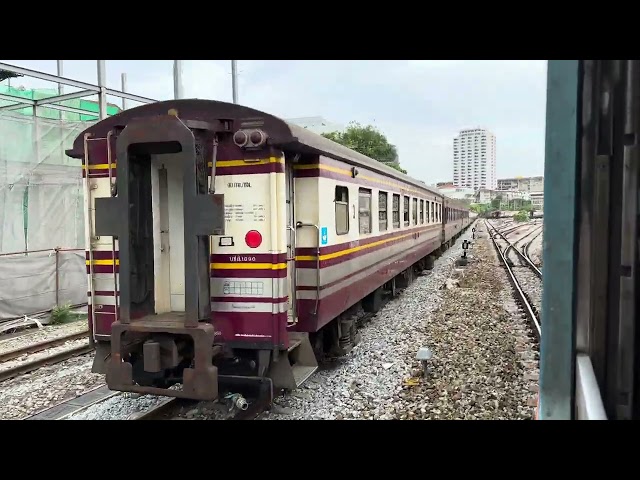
119 407
28 394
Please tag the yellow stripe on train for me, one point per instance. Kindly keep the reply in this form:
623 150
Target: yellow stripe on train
347 251
103 262
248 266
219 163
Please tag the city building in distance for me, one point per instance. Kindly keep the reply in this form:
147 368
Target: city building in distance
534 186
474 159
459 193
523 184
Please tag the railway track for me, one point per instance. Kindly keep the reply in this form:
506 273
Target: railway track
524 259
521 296
40 346
165 409
58 357
525 248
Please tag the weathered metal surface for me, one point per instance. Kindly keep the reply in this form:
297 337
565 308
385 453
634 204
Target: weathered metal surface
199 382
559 244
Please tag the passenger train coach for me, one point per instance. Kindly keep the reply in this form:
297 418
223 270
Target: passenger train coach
224 243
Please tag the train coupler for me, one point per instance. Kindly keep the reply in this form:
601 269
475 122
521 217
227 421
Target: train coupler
155 351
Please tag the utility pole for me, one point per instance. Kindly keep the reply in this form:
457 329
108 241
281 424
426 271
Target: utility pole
123 78
178 92
102 83
234 80
60 74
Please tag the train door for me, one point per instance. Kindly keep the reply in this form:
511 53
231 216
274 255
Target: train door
292 317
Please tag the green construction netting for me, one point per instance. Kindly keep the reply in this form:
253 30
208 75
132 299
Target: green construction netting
41 203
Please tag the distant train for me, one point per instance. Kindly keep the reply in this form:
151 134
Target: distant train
227 246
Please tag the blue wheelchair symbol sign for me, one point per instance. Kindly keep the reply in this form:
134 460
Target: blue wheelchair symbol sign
324 236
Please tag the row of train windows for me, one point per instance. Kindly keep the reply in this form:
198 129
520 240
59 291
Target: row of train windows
432 213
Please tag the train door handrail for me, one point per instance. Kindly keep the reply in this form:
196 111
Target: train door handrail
588 403
312 225
294 276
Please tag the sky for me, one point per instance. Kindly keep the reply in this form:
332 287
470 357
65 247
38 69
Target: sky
420 105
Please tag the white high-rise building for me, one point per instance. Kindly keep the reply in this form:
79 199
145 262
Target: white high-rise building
474 159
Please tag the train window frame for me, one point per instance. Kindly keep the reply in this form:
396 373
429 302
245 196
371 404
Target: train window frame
421 212
406 205
341 204
383 223
366 194
414 211
426 212
433 219
395 209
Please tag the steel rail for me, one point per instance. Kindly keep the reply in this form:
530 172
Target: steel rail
526 304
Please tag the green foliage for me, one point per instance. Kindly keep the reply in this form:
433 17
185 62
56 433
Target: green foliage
483 209
521 216
63 314
495 203
368 141
5 74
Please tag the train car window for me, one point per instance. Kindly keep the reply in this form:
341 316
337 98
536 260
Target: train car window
382 210
364 210
342 210
396 211
426 213
433 218
421 212
406 211
415 211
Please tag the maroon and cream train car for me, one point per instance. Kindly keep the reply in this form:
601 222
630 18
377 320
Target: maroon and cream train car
456 219
226 244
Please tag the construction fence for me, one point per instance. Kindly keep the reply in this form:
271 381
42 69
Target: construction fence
42 259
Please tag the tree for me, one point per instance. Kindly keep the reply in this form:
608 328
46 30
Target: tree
521 216
368 141
495 203
5 74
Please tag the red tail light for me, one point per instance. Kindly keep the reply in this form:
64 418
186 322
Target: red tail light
253 239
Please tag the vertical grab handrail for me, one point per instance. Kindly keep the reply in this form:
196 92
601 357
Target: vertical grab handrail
113 238
88 231
294 276
312 225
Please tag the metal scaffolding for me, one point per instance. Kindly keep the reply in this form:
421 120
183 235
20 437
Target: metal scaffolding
86 89
42 260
